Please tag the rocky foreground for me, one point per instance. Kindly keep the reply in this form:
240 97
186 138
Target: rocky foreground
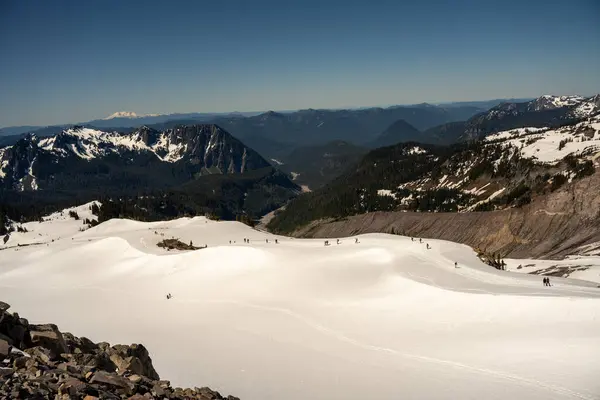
40 362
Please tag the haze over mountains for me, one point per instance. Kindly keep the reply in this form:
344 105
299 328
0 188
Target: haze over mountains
219 165
132 119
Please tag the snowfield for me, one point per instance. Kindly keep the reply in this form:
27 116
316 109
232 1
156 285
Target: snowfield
544 144
383 318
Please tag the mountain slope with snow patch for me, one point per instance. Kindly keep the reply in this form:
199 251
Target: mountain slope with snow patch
205 149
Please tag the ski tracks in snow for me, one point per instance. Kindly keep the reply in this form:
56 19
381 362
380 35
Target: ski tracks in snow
343 338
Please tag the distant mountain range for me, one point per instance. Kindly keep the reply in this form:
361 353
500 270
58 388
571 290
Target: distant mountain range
254 163
90 163
130 119
315 166
545 111
508 169
122 119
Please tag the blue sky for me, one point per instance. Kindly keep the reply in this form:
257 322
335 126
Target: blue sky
71 61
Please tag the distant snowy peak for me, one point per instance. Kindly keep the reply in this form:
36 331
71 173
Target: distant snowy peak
129 114
550 102
123 114
579 106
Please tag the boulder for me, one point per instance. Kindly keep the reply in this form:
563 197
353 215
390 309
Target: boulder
8 339
100 361
79 345
209 394
112 380
48 336
4 372
73 387
40 353
134 358
4 349
4 306
18 333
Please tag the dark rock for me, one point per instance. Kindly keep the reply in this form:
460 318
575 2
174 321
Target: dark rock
208 393
6 338
72 386
48 336
100 361
79 345
4 349
20 361
40 353
71 368
159 391
111 380
17 333
4 372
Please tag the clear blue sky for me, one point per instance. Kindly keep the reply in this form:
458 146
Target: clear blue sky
70 61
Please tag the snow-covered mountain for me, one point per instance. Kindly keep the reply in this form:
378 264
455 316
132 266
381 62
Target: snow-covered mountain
489 174
123 114
205 149
545 111
549 102
129 114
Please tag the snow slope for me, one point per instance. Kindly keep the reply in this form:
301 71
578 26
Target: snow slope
383 318
544 144
55 226
576 267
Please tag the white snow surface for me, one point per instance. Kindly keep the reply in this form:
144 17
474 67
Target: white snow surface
416 150
588 266
93 143
58 225
384 318
3 163
563 101
123 114
385 192
542 144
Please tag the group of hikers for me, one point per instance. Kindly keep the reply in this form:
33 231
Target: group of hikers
338 241
248 241
412 239
546 281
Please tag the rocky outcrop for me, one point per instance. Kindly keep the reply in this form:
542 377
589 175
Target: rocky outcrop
40 362
552 226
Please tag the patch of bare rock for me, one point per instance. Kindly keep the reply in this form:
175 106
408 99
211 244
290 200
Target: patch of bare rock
40 362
